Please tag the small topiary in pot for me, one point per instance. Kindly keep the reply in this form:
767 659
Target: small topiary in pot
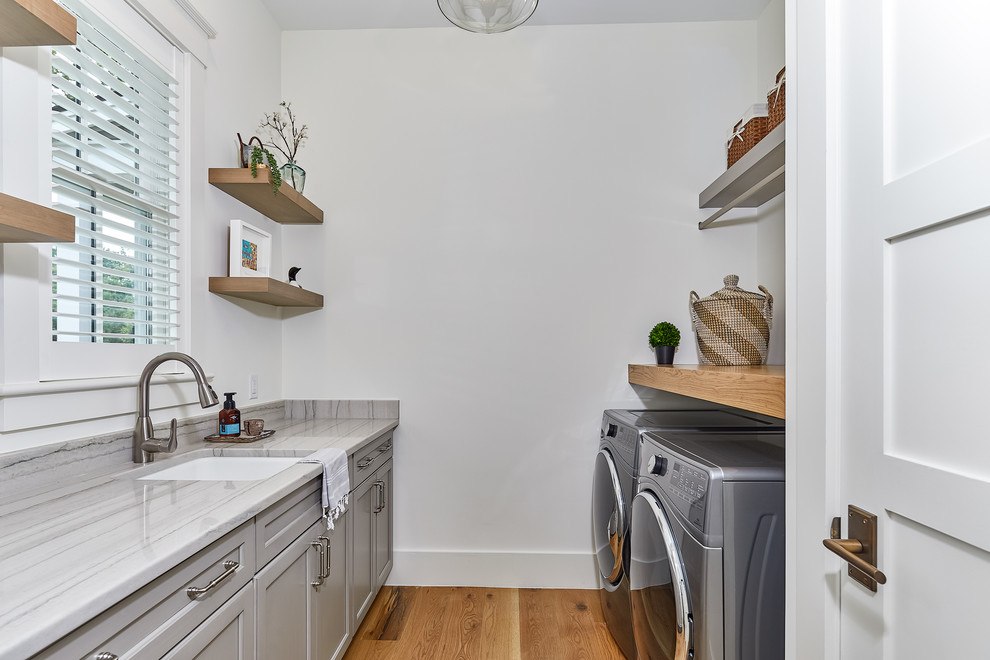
664 338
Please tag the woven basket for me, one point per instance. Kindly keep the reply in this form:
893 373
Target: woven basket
746 133
732 326
775 102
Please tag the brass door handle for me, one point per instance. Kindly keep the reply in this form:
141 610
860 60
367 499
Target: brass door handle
849 549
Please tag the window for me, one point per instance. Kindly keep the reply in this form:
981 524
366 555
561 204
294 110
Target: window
115 165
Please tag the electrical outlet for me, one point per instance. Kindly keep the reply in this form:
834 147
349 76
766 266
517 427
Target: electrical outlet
253 386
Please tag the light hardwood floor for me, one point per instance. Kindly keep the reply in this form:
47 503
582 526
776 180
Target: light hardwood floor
478 623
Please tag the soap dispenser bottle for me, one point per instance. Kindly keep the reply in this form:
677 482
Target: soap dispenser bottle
230 417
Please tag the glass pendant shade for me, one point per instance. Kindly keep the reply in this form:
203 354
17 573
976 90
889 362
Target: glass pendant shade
487 16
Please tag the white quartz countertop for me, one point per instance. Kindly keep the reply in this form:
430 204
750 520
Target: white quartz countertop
70 552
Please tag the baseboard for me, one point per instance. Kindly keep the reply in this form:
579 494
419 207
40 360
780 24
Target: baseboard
494 569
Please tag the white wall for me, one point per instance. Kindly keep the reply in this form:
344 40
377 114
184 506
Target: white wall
239 83
507 217
770 225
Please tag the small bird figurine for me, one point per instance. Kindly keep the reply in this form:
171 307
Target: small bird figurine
292 276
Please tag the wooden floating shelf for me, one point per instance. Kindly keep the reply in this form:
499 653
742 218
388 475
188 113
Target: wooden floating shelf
35 23
26 222
265 290
288 207
758 389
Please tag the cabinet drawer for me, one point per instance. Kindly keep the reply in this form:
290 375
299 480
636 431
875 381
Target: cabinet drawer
282 523
156 617
370 458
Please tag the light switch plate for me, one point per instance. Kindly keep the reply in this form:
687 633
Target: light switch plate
253 386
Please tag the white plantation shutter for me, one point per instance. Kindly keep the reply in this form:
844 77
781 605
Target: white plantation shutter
114 167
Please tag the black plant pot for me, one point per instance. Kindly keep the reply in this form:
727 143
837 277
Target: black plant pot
665 354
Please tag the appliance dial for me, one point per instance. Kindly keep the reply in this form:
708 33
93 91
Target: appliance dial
612 430
657 465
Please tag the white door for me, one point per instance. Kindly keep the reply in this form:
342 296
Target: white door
912 273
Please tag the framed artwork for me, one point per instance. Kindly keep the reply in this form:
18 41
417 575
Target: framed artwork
250 251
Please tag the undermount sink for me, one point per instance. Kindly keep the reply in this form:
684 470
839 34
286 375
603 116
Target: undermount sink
224 468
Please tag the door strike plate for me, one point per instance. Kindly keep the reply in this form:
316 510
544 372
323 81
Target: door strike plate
863 528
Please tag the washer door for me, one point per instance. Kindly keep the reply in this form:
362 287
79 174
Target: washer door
661 608
608 518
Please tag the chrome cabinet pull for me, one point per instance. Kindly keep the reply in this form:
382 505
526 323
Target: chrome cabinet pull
326 566
380 485
230 566
318 544
365 462
105 655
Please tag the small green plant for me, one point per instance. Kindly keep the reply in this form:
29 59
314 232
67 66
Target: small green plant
258 155
664 334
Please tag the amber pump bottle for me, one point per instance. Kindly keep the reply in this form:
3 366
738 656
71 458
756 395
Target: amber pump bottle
230 417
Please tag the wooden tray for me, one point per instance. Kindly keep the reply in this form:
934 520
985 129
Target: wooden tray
267 433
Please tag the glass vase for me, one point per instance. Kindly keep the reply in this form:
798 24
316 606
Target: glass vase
294 175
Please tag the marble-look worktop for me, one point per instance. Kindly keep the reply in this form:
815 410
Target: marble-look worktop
70 548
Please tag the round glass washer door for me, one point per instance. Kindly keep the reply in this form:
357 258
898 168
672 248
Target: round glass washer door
660 602
608 519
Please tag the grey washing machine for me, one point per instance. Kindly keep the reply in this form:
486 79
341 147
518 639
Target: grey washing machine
615 484
706 564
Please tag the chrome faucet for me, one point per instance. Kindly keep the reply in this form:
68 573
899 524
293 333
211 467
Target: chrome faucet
146 445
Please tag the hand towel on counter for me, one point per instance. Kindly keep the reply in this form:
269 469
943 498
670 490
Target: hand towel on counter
336 482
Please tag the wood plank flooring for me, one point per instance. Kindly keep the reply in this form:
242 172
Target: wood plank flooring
478 623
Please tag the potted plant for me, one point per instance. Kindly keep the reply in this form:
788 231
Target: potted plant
259 155
664 338
286 137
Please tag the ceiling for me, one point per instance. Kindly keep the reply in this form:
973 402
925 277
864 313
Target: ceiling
360 14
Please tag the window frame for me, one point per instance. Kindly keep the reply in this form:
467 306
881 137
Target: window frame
60 361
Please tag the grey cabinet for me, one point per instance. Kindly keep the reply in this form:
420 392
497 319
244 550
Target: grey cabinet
227 635
302 597
371 508
279 586
157 617
383 525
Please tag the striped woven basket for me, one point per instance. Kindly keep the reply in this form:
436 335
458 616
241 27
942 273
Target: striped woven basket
732 325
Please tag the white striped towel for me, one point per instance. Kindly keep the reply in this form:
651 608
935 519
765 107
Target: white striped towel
336 482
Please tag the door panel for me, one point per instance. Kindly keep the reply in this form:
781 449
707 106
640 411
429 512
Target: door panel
912 276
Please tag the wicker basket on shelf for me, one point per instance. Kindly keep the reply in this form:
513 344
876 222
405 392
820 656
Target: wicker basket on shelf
775 102
747 132
732 325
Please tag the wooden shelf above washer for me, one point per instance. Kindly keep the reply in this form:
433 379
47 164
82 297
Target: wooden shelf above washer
288 207
265 290
758 389
35 23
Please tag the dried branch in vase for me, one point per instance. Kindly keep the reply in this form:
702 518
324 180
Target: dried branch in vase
283 134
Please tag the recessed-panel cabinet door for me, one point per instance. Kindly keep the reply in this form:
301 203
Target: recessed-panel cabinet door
363 585
383 524
283 600
329 612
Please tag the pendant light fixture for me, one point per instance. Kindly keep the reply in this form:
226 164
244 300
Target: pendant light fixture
487 16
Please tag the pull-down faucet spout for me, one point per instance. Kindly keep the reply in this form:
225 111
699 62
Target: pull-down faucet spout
146 445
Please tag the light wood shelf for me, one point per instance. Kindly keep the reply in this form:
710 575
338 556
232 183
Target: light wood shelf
26 222
265 290
758 389
288 207
35 23
752 181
